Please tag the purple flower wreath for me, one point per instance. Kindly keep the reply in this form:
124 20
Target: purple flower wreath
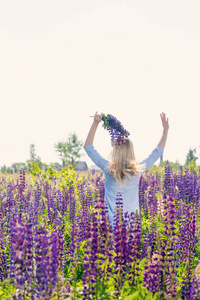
116 130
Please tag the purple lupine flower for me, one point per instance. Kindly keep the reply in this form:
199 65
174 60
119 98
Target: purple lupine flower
188 250
74 240
196 188
84 219
65 200
105 242
89 198
90 258
169 246
72 204
120 244
187 186
167 181
54 205
116 130
187 233
37 193
145 243
57 251
133 225
18 250
3 260
143 201
58 198
153 271
49 209
194 293
21 188
43 260
10 197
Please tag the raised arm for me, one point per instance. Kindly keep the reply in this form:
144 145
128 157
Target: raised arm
165 125
91 134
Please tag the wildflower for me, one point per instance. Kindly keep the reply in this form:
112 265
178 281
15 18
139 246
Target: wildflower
116 130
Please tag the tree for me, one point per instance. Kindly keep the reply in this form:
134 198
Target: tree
32 152
34 159
191 157
69 150
5 169
17 166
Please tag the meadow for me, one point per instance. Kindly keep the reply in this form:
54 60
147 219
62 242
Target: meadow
56 241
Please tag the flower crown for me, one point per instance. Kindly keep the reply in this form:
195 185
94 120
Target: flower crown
116 130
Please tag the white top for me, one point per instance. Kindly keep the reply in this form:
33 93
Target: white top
129 190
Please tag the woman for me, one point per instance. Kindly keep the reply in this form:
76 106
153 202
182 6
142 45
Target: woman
122 173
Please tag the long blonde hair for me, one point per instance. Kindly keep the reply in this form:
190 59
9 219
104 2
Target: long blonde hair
123 163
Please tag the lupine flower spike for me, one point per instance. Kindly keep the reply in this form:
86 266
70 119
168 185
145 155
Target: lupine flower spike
116 130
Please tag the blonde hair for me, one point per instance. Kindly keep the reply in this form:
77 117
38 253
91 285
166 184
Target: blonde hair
123 164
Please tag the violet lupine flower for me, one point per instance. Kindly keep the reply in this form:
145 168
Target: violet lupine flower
58 201
105 242
187 233
187 186
90 259
167 181
143 203
43 262
195 285
120 244
21 184
37 193
29 245
133 225
89 198
10 198
65 201
49 209
17 254
148 240
152 202
57 249
170 247
21 188
46 189
153 272
3 260
72 261
116 130
188 251
195 196
74 240
72 204
145 243
54 203
85 218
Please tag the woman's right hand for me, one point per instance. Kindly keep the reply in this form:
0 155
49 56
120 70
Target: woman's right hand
98 117
91 134
165 124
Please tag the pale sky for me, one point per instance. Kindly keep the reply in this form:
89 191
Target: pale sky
60 61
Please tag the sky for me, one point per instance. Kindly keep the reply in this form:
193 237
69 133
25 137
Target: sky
61 61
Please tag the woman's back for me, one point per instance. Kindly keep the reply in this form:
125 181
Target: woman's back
128 192
128 188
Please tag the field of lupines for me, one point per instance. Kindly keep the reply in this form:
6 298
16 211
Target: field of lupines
56 241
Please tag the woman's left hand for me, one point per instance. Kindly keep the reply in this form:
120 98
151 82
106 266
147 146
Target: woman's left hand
164 120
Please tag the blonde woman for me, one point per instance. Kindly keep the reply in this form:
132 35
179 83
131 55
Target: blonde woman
122 173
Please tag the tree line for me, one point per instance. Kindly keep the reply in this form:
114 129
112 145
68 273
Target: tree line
69 153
